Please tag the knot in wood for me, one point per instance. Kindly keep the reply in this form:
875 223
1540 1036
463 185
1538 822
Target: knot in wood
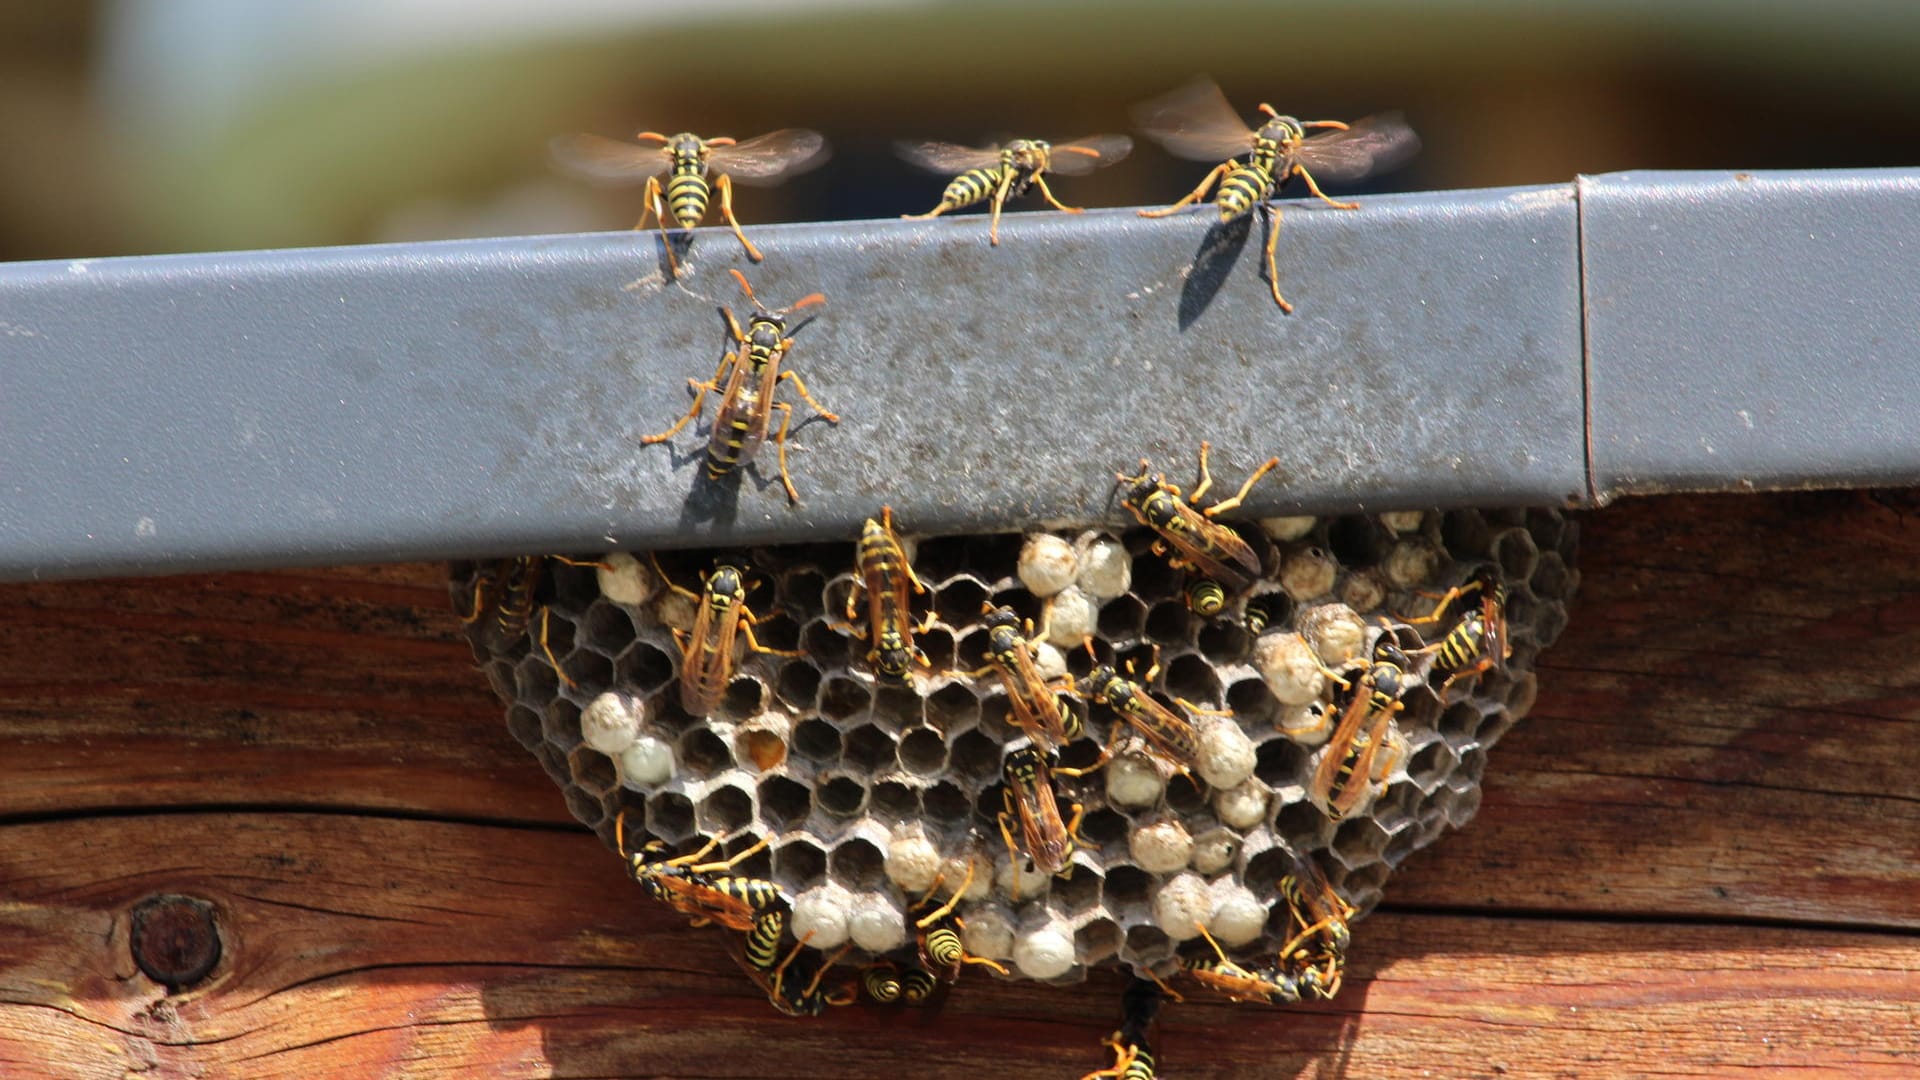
175 939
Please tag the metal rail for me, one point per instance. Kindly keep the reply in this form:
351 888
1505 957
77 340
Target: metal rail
480 398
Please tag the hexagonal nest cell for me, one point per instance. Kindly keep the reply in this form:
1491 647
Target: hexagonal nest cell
868 793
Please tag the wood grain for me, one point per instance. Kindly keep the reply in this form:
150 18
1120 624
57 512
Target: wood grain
1695 858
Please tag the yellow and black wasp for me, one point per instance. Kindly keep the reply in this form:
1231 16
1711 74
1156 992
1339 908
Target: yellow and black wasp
938 933
752 371
1030 801
509 589
1206 597
793 988
1317 951
1478 642
1360 755
887 579
1169 735
1194 539
707 656
704 892
1197 123
1034 705
1270 984
887 982
1006 172
1132 1053
763 160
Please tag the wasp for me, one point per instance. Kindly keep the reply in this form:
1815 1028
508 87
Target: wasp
1197 123
1132 1054
941 951
1030 800
1270 984
690 160
1352 763
1035 706
1256 616
1321 915
887 982
793 990
886 578
1206 597
707 661
1479 641
1196 541
1171 735
704 892
509 588
752 372
1006 172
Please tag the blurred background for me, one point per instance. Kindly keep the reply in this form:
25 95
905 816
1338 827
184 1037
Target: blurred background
138 126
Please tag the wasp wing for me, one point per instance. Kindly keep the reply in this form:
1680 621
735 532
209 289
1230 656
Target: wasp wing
608 161
1195 122
1082 156
770 158
947 158
1375 144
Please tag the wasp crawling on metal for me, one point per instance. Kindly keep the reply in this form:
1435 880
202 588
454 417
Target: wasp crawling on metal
1195 540
1270 984
1360 754
1132 1053
1035 706
760 161
1170 736
938 933
1317 951
1478 642
703 891
1031 801
707 655
1006 172
887 579
753 373
1197 123
509 588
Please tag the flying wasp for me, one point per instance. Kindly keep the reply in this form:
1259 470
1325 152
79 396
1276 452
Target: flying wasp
690 160
938 932
752 371
1170 735
1030 800
1132 1054
1268 984
1006 172
1034 705
1478 642
702 891
1353 762
1195 540
707 660
886 577
1197 123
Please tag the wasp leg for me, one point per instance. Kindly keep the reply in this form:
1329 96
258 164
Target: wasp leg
780 441
1446 600
1273 276
1040 182
746 626
801 385
699 399
730 863
933 213
662 575
1172 994
725 186
479 602
1219 173
953 899
1302 173
1241 495
652 204
557 669
999 201
687 860
1201 710
1123 1057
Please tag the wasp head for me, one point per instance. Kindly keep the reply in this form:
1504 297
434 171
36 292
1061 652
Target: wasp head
766 331
1284 130
1099 683
892 658
1000 617
1022 766
728 581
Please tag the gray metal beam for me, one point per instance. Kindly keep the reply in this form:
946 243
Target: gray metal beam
1752 330
477 398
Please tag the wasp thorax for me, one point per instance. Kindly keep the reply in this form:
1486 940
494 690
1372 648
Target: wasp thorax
1283 129
766 333
688 145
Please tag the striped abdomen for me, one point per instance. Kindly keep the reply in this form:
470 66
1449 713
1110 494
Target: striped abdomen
519 579
972 186
1141 1065
917 985
687 194
763 941
943 947
1242 190
1463 646
762 897
741 424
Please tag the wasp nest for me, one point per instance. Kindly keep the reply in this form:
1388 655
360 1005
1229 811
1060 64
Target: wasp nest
870 793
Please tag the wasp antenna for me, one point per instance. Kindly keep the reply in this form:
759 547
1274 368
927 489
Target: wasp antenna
620 832
1270 110
808 301
651 136
745 288
724 140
